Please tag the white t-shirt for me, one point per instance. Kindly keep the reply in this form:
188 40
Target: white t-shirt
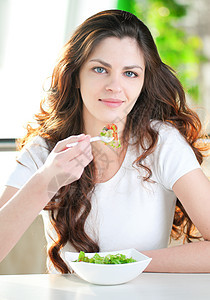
127 212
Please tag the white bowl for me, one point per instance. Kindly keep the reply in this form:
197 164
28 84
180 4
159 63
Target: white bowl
109 274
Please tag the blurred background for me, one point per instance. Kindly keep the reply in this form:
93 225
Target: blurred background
31 36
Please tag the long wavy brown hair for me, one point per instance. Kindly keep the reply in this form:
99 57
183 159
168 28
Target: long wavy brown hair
162 98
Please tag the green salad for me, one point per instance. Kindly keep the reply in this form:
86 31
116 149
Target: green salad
108 259
111 131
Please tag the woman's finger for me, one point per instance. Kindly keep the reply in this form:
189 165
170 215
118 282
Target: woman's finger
83 149
84 155
61 145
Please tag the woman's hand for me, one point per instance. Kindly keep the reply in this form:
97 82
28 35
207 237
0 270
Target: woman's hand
21 207
66 165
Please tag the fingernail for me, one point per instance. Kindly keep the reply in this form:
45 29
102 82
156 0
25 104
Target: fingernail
81 137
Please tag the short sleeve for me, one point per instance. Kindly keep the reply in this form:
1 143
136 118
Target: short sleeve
29 160
173 157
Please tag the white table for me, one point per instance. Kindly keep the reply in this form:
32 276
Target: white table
151 286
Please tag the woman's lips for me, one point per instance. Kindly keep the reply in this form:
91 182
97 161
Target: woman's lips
111 102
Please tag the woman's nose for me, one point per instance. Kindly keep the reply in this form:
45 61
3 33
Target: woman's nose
114 84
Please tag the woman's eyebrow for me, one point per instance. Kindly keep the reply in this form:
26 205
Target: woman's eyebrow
109 66
132 67
101 62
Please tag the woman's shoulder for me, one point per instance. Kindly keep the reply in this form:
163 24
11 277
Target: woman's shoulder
36 149
173 156
167 131
36 144
163 127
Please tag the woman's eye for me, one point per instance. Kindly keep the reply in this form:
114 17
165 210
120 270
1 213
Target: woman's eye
99 70
130 74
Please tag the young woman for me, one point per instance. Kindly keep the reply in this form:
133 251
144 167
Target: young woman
94 197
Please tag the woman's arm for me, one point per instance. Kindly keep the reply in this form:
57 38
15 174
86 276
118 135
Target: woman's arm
20 211
62 167
187 258
193 190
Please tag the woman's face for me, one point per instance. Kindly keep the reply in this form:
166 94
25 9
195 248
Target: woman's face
111 80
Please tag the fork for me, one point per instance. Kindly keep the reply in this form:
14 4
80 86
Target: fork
104 139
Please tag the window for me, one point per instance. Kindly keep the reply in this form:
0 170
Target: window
32 34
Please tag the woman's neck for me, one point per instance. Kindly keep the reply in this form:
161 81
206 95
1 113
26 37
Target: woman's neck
107 160
103 153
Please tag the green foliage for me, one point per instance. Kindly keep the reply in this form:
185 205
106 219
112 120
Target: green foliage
177 48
